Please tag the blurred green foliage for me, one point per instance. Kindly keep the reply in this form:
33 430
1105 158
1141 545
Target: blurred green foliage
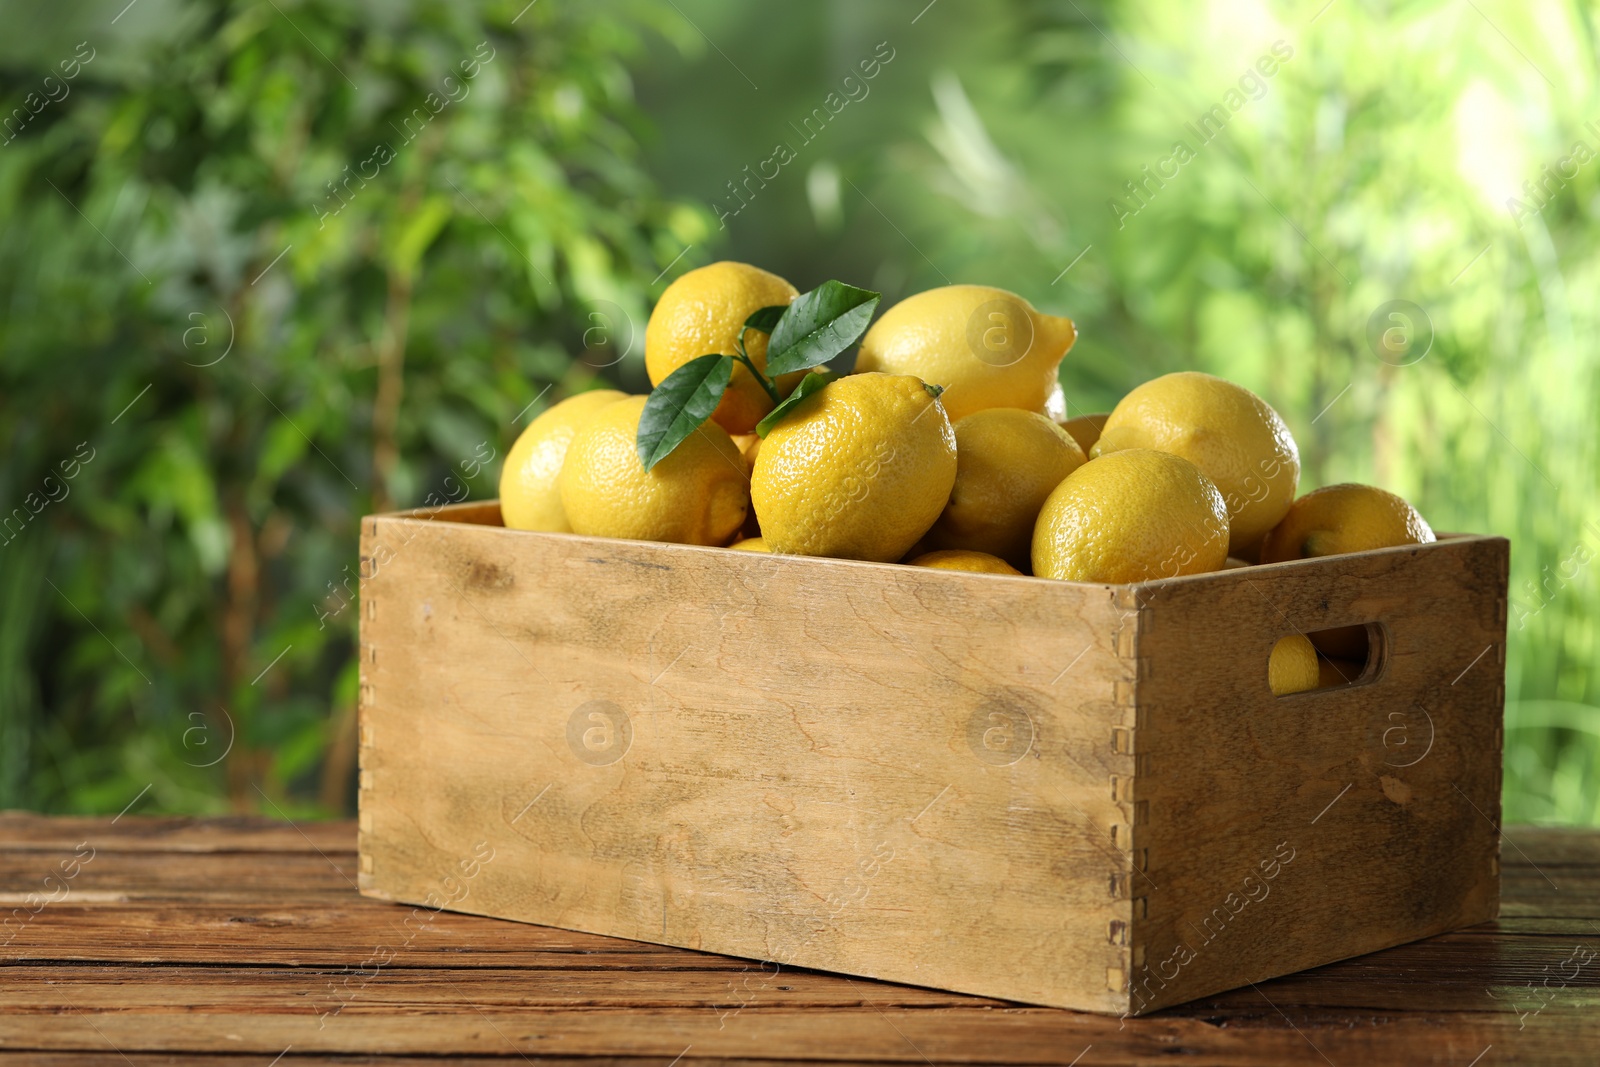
270 268
400 341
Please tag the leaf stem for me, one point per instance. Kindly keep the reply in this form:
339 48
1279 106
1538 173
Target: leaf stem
744 357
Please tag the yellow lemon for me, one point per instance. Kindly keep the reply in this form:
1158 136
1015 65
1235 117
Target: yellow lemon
859 470
530 498
698 495
1292 666
961 560
749 445
751 544
1227 431
1007 462
987 347
1085 429
1131 516
1344 518
701 313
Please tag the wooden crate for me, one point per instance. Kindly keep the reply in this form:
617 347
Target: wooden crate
1065 794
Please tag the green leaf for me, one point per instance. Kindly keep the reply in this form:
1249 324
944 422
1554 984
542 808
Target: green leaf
766 318
808 385
676 408
762 320
818 326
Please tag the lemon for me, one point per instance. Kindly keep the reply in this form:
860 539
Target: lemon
530 499
751 544
987 347
1085 429
701 313
1344 518
962 560
1292 666
748 445
1131 516
697 495
1227 431
1007 461
859 470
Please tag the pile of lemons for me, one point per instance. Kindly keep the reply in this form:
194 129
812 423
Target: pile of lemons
949 446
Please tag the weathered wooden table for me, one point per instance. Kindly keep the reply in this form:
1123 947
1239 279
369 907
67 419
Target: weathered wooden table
230 941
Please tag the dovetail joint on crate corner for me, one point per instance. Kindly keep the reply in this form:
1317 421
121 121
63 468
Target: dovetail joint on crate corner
1133 617
366 696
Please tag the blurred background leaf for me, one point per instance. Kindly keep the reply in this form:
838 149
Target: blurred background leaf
258 282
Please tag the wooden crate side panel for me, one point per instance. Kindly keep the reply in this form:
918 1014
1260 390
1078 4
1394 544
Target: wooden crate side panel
1286 833
892 772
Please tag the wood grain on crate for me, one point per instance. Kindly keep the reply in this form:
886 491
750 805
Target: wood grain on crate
1353 818
826 762
237 941
1057 793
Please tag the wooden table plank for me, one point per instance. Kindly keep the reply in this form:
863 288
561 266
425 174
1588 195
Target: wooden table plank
339 933
25 831
345 934
870 1034
295 1059
299 993
242 939
117 877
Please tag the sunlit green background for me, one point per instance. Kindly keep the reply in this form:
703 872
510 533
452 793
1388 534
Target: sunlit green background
219 346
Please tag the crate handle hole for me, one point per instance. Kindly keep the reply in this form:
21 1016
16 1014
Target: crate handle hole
1346 655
